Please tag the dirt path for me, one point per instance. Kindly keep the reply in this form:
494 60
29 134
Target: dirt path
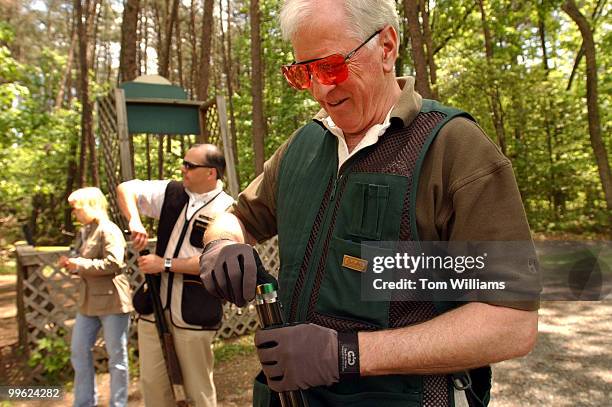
570 366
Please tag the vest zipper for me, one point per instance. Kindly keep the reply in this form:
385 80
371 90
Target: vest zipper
336 182
313 267
308 255
302 310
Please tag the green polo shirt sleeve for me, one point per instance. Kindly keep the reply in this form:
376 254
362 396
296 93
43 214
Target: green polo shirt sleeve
256 205
468 192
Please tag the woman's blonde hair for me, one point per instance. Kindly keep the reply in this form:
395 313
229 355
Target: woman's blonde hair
92 200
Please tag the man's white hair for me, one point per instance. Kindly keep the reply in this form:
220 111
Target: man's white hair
365 17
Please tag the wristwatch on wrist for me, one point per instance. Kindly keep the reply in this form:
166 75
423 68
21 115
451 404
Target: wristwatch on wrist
167 263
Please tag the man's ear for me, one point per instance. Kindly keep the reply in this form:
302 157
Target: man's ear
390 43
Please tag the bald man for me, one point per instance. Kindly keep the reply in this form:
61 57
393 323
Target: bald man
184 210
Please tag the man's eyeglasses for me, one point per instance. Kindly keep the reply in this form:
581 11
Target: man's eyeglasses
329 70
190 166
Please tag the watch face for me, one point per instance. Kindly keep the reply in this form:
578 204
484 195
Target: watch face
168 263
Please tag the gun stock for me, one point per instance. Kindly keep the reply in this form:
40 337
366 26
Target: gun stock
173 367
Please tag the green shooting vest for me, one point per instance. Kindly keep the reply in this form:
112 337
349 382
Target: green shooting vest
323 215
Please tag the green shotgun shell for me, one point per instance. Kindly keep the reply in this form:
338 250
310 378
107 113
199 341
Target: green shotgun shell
265 289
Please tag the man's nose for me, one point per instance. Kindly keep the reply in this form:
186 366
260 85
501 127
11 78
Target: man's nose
319 90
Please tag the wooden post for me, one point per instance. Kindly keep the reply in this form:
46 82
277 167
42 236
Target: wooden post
227 148
127 171
22 274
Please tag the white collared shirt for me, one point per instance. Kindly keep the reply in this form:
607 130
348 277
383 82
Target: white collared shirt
371 137
150 195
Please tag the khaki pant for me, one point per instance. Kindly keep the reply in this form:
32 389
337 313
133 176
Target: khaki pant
194 350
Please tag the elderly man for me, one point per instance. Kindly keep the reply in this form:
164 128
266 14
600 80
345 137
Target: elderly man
184 210
377 163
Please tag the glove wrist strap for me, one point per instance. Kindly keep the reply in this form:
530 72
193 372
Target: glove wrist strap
348 355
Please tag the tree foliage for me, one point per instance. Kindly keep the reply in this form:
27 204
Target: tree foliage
518 85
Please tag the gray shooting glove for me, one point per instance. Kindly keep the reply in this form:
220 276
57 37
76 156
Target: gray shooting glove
228 271
306 355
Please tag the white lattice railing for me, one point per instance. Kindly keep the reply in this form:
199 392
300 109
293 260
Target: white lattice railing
47 298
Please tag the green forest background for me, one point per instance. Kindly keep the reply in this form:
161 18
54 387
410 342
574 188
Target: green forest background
520 68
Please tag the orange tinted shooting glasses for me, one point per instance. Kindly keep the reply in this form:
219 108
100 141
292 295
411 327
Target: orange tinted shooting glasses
329 70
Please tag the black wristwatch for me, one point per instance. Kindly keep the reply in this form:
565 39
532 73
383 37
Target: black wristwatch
167 264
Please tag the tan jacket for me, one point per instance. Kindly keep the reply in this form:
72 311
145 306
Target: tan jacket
104 287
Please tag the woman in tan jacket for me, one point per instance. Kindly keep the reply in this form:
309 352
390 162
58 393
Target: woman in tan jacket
104 298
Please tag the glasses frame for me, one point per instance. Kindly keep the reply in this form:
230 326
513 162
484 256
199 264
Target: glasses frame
309 63
188 165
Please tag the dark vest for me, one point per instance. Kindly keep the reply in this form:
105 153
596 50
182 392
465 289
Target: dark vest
373 198
197 307
175 200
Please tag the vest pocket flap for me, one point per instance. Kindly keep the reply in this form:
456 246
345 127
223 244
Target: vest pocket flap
371 206
198 307
196 238
370 202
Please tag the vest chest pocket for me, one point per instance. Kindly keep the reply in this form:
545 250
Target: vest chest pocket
370 206
196 238
198 307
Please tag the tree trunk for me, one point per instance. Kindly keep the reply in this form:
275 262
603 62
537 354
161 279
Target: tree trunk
402 56
148 154
428 38
411 9
160 156
257 87
92 35
205 47
158 21
550 145
68 71
128 68
542 33
494 96
71 171
194 46
596 14
179 50
164 58
228 78
599 147
87 136
144 40
92 21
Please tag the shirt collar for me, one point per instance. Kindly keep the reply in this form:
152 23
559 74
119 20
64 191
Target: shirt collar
373 132
405 110
206 196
